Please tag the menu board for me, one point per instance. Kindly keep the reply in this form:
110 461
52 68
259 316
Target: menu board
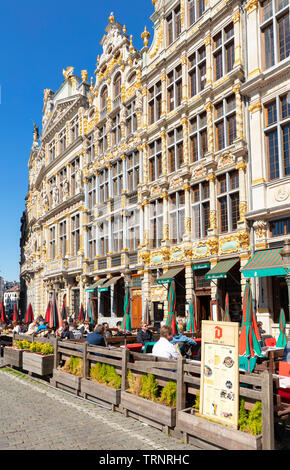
219 394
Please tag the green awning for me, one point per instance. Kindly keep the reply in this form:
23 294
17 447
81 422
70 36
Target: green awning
169 275
198 267
265 263
110 282
96 285
220 270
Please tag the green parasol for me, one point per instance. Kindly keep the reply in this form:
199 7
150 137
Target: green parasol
249 342
171 318
126 322
282 340
227 307
191 324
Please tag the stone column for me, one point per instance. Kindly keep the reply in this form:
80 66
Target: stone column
68 133
145 163
213 204
187 221
146 207
184 123
239 112
165 240
141 164
253 33
243 206
146 291
210 133
184 64
164 94
163 136
237 35
145 106
208 49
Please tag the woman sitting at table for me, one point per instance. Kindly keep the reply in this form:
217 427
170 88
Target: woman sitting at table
145 335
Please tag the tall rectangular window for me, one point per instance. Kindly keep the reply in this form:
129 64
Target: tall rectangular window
102 141
228 201
116 130
131 119
156 223
200 210
154 102
62 238
174 88
224 51
117 178
62 141
62 178
176 216
195 9
91 242
104 185
277 137
173 25
75 164
75 232
225 122
134 229
133 171
275 31
103 238
74 128
197 72
198 137
52 242
51 151
175 149
91 148
92 192
155 160
117 222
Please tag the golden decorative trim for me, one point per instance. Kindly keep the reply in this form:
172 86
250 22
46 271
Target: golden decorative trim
251 6
255 107
253 73
258 181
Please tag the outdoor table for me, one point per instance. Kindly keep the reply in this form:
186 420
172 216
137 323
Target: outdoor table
273 354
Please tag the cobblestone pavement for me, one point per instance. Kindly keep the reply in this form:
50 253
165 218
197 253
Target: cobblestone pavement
34 416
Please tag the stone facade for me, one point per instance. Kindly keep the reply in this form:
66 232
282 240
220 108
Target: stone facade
155 165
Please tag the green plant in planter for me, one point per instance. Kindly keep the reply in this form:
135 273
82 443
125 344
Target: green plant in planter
149 387
22 344
112 378
168 395
197 401
251 422
74 366
35 347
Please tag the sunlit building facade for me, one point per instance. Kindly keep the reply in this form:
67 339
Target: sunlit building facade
142 175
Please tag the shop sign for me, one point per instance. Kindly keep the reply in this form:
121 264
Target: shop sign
219 393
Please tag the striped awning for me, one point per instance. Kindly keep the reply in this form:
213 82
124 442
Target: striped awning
265 263
97 284
110 282
220 270
169 275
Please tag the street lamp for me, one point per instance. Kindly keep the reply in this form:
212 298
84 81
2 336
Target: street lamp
285 254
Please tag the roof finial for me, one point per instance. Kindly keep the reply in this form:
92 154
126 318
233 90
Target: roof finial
145 36
124 29
112 18
131 48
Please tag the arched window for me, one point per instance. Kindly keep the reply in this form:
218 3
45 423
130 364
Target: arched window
117 85
104 98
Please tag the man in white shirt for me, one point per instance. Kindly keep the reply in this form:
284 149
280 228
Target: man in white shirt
163 347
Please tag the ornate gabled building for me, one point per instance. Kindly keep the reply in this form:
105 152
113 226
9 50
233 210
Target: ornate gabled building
143 175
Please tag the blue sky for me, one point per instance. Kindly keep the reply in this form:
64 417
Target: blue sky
39 39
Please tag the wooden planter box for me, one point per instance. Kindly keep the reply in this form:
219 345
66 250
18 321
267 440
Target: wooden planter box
217 434
13 356
101 392
146 410
37 364
67 381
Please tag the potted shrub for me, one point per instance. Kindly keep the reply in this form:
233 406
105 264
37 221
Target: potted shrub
13 354
39 360
69 375
247 437
104 384
145 399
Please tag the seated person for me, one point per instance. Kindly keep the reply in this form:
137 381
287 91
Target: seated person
96 338
16 327
119 332
74 332
65 331
145 335
42 327
163 347
107 332
181 338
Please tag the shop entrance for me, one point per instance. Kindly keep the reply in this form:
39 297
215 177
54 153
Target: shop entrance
180 293
232 285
